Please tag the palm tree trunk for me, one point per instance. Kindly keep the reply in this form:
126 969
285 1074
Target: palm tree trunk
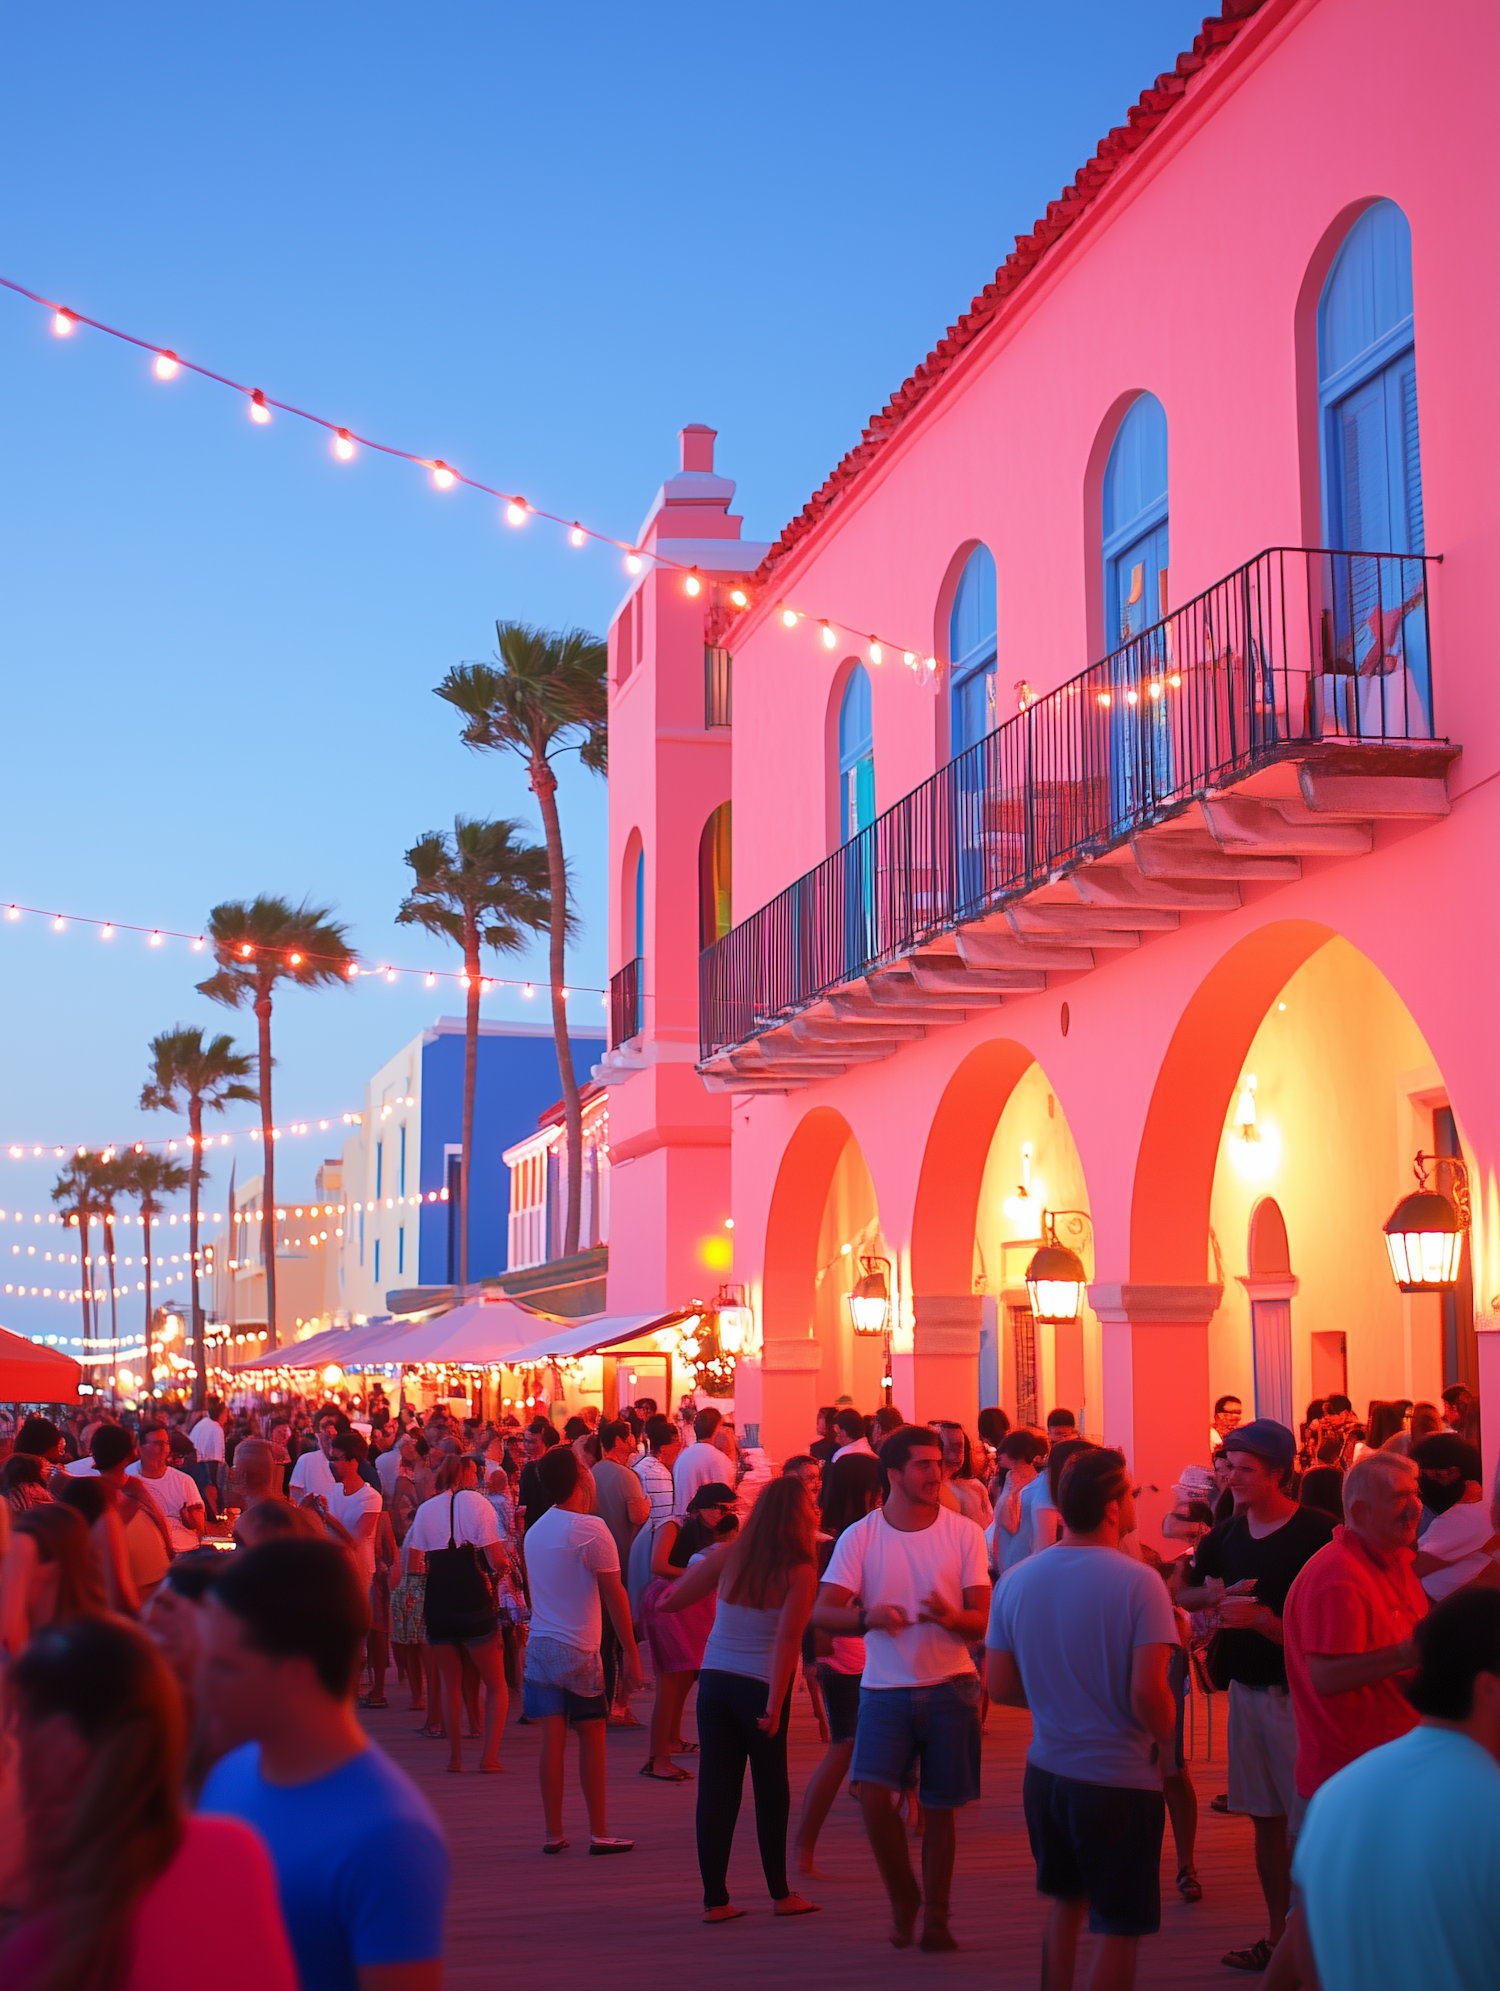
114 1291
544 787
471 1067
83 1268
195 1176
268 1170
150 1306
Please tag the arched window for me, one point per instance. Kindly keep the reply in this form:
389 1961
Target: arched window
971 652
715 877
1367 390
640 905
856 756
1135 523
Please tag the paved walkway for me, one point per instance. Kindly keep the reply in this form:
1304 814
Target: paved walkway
604 1921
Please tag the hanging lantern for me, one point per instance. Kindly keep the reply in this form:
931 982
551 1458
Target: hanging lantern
870 1301
736 1321
1055 1280
1424 1235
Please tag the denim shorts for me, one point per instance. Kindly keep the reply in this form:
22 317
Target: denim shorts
935 1728
1100 1842
538 1701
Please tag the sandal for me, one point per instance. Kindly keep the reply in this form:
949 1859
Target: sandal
1256 1956
683 1749
1188 1884
369 1701
670 1776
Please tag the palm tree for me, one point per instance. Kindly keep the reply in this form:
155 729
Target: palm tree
76 1194
257 943
548 695
189 1076
149 1178
483 886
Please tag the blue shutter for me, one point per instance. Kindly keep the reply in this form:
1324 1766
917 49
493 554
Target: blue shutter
1411 456
640 905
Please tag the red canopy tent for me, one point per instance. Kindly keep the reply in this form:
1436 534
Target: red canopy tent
32 1374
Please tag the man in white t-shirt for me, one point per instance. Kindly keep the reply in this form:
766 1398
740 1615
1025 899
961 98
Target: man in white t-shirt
574 1569
913 1580
207 1435
701 1463
388 1463
1458 1543
311 1473
351 1507
176 1494
1082 1636
849 1430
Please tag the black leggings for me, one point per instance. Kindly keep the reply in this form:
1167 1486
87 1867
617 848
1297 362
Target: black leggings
730 1706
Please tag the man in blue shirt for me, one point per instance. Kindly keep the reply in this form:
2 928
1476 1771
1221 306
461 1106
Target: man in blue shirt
1398 1863
360 1858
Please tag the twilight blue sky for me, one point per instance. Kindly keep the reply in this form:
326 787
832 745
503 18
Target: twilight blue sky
534 242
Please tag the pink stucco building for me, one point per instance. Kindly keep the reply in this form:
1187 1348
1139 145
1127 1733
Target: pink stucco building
1062 810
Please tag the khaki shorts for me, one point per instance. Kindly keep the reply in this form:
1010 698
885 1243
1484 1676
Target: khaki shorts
1263 1755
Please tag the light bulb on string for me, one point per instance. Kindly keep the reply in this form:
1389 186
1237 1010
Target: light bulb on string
517 511
693 584
165 365
58 924
155 940
62 324
789 617
632 563
390 974
198 944
830 637
576 535
738 597
429 981
876 653
909 658
106 932
343 445
246 950
442 476
13 912
352 970
259 412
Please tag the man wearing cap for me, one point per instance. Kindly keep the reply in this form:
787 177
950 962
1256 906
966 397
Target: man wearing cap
1244 1568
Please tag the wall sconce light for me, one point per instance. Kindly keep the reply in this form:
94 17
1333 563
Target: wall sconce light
1424 1234
736 1321
1055 1278
1244 1113
870 1301
1019 1207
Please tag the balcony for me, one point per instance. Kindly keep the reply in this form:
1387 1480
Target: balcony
1274 717
626 1016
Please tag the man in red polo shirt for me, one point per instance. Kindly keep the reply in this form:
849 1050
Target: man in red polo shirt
1349 1622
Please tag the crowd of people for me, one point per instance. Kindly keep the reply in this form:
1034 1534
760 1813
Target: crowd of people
196 1612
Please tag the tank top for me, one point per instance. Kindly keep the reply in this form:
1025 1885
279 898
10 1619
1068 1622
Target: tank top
741 1640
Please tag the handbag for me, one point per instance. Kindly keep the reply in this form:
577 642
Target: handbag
459 1606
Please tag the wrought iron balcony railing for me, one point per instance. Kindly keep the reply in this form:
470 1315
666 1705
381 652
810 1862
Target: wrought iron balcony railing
626 1015
1293 648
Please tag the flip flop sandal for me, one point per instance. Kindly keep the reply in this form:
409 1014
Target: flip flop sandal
556 1845
672 1776
1188 1884
599 1847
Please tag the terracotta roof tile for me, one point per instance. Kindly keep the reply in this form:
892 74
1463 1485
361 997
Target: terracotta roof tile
1151 108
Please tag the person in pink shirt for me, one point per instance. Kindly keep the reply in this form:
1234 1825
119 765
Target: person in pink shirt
1349 1622
122 1889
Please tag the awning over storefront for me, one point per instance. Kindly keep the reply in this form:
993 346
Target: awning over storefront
477 1331
33 1374
591 1337
336 1344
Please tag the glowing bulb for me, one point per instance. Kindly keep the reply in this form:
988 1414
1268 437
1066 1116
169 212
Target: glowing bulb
246 950
442 476
876 653
516 511
106 932
155 940
789 617
738 597
693 585
352 970
1175 681
14 912
576 535
1103 698
259 412
343 445
830 640
909 658
390 974
58 924
1132 697
198 944
485 987
429 981
564 995
294 960
63 323
528 990
632 563
165 365
1155 688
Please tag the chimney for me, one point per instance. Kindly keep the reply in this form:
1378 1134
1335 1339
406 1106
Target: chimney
698 447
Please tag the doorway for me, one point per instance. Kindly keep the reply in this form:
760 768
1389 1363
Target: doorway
1270 1286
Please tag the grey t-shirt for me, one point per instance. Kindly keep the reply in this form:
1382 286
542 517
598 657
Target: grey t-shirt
1073 1618
614 1486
